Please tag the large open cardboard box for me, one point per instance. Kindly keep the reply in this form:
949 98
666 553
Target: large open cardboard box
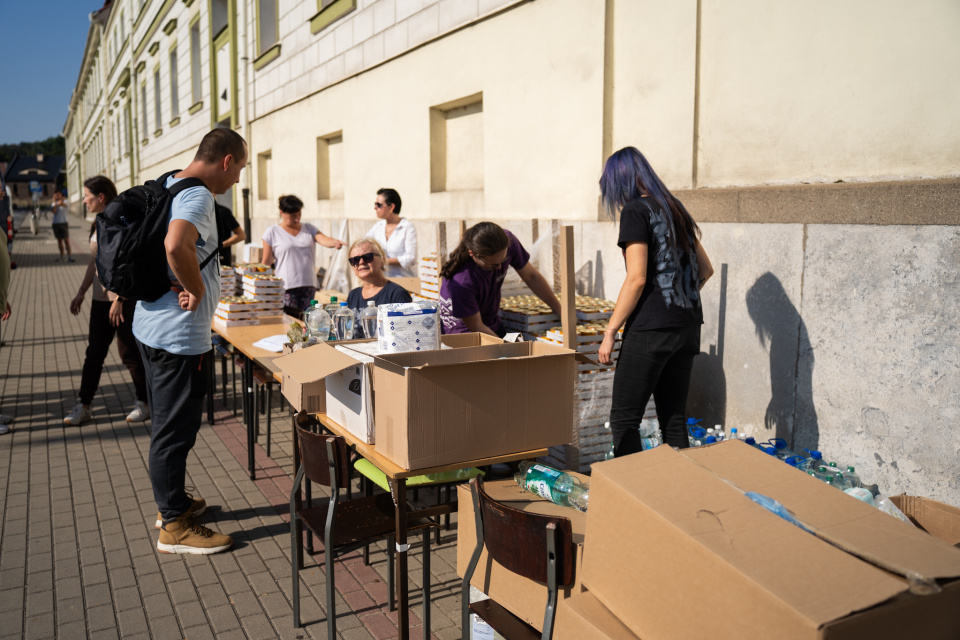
677 551
583 616
524 598
452 405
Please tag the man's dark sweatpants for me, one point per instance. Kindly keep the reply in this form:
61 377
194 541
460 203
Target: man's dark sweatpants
176 386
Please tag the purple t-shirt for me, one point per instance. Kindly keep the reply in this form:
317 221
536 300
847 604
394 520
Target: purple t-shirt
474 289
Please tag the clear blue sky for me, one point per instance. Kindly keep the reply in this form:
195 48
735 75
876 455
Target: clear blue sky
41 47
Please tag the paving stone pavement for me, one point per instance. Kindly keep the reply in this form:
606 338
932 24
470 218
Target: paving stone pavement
77 539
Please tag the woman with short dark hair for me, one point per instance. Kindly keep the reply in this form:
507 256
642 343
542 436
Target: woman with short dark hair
396 235
291 245
109 316
659 302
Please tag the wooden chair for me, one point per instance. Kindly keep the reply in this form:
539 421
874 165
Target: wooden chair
344 525
535 546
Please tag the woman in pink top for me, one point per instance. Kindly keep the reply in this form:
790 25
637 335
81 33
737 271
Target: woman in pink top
291 245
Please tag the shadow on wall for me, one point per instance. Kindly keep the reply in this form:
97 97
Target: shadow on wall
589 278
790 411
708 382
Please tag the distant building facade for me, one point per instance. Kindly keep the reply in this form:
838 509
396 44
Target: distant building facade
46 171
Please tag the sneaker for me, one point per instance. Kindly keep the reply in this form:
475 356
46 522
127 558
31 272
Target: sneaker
186 535
140 412
5 419
4 429
197 507
78 415
70 259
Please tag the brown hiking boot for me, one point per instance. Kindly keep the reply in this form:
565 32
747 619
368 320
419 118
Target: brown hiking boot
197 507
186 535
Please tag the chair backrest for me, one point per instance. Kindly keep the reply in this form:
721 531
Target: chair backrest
316 460
518 540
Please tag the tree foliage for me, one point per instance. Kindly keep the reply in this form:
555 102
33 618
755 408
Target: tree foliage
52 146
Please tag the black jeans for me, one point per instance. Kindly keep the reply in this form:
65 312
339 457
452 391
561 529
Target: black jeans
101 335
655 362
176 386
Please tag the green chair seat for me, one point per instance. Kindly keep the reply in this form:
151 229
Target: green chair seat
366 468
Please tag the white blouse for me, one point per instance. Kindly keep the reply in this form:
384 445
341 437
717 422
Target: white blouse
401 245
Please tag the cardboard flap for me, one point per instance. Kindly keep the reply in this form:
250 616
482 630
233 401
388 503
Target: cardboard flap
316 362
819 581
582 358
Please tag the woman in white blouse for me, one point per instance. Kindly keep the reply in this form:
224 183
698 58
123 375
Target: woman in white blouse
395 234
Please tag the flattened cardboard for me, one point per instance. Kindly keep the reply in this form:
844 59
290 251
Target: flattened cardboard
708 538
349 397
583 616
524 598
936 518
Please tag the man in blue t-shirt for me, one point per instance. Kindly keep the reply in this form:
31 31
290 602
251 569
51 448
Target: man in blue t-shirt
174 337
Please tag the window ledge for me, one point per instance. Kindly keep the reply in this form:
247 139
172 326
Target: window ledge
145 141
330 14
158 133
267 57
175 122
196 107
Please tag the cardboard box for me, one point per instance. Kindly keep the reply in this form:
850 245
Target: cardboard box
677 551
452 405
936 518
349 395
583 616
524 598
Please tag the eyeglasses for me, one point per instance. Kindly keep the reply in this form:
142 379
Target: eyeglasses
379 205
367 258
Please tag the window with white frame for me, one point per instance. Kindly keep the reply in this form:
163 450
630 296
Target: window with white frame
156 99
143 109
266 24
196 70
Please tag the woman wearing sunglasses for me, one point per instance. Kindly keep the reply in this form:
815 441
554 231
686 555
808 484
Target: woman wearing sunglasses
396 235
367 260
473 278
292 244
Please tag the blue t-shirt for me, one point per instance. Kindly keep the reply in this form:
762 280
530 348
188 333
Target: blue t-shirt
162 324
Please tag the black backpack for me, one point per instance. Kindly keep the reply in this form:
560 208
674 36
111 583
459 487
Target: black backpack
131 258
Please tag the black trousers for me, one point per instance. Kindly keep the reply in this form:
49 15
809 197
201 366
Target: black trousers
176 386
101 335
655 362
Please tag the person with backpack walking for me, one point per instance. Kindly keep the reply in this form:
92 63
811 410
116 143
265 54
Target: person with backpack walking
109 316
174 335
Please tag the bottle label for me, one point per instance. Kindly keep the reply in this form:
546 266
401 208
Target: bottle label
540 480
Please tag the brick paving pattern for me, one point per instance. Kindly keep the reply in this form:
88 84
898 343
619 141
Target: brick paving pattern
77 537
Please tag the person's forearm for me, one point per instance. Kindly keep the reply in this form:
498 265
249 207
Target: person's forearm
88 276
394 261
186 269
626 302
538 284
232 240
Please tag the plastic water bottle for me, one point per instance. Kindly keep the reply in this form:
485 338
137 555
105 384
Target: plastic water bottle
696 436
556 486
343 322
796 461
814 460
332 307
752 442
733 434
318 324
783 452
719 433
650 437
854 478
609 455
885 504
368 320
861 494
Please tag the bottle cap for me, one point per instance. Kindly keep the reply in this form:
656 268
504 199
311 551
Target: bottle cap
710 440
749 440
371 303
816 455
851 469
343 304
333 298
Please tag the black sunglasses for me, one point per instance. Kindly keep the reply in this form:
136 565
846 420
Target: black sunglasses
367 258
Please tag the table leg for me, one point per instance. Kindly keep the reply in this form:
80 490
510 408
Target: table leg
398 489
248 409
298 502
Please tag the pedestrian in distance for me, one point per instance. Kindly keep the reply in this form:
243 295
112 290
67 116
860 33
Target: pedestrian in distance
396 235
174 336
659 302
5 419
61 226
229 231
291 244
110 316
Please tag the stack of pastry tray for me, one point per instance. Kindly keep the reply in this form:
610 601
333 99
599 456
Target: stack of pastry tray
228 281
429 271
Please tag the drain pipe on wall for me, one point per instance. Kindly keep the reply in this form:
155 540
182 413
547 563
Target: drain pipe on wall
247 134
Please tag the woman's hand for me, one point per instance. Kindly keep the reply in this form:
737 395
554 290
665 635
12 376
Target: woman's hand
116 313
605 354
6 314
75 303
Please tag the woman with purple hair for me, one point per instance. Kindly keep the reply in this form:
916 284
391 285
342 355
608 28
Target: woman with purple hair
659 302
